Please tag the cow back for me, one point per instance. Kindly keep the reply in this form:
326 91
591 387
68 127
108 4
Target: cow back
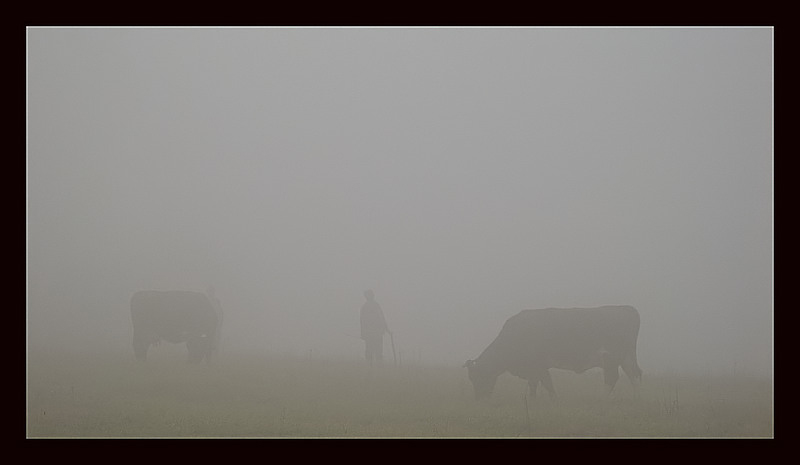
173 315
571 338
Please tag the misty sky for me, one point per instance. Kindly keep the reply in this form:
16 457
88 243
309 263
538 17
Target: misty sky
464 174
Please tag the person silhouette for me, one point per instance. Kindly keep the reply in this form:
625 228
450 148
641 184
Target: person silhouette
373 326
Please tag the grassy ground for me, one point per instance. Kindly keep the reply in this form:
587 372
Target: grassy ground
111 395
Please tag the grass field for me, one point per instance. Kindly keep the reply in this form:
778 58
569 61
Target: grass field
110 395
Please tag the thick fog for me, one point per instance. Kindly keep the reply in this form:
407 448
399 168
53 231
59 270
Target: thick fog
463 174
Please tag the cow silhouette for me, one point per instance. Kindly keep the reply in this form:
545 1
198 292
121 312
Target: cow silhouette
176 317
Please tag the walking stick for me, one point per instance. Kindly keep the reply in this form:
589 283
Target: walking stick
391 338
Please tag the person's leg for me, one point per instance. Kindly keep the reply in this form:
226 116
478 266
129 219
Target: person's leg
379 349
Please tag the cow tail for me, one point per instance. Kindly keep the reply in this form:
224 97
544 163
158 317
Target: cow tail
636 369
631 360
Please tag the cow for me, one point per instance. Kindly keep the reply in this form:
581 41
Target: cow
533 341
177 317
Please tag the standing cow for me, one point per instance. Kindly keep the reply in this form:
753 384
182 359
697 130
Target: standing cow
533 341
174 316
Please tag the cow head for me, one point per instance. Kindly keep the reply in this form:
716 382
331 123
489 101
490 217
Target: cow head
483 380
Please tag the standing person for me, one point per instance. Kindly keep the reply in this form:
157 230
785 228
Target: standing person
373 325
218 309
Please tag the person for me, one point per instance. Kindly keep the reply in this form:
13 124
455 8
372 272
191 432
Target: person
373 326
218 309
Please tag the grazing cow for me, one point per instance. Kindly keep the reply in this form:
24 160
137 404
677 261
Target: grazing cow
533 341
174 316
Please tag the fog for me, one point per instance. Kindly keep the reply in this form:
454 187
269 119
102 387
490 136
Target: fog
463 174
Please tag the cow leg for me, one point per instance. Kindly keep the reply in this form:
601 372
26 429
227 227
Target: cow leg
610 375
142 339
632 370
547 382
634 373
533 383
